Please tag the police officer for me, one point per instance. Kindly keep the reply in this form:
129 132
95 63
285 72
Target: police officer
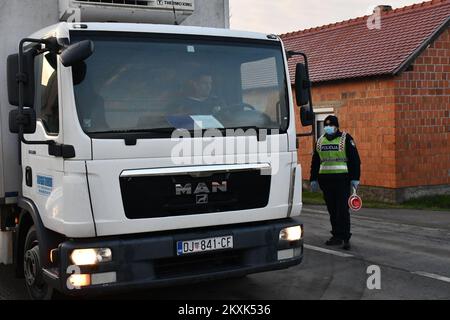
336 169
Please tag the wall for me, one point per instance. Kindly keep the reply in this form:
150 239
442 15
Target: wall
210 13
423 118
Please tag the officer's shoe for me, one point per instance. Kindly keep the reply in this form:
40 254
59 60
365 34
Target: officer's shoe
333 242
346 245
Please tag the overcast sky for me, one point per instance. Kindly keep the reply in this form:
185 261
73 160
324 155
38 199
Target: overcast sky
281 16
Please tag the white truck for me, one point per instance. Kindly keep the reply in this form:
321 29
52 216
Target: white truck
118 182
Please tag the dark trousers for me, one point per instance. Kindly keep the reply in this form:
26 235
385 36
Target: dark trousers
336 191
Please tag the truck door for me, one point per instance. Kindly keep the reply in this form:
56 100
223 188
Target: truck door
42 172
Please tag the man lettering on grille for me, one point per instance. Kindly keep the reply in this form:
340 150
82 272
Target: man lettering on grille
336 168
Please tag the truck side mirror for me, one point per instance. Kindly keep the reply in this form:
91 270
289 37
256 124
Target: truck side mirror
27 75
27 119
303 95
77 52
307 116
302 85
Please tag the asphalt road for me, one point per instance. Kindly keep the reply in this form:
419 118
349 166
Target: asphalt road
411 248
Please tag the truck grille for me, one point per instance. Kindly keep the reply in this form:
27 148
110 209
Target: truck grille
178 195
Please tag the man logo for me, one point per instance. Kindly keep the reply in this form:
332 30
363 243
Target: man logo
201 199
201 188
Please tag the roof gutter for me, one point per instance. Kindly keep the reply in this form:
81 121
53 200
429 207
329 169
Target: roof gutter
420 49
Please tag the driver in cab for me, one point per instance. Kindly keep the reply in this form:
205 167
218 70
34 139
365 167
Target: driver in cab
197 98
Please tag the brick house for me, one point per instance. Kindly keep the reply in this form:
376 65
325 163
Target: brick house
390 88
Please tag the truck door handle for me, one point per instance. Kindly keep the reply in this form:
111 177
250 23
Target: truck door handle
29 177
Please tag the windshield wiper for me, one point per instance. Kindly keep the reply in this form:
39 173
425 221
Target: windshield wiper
172 129
130 136
154 130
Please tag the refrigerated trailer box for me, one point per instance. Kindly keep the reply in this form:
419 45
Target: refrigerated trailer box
141 155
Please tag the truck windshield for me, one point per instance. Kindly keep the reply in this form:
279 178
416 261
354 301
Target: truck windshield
135 83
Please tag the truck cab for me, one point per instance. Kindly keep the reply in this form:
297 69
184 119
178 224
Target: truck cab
152 155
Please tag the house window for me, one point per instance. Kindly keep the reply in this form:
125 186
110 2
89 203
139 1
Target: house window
321 115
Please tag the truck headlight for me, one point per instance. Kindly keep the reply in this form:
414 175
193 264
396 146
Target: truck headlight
86 257
291 234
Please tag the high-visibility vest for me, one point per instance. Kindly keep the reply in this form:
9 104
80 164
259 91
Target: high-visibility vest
333 158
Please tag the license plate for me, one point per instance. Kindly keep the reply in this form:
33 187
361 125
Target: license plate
204 245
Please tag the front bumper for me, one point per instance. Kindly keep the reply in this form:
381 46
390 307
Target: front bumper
145 261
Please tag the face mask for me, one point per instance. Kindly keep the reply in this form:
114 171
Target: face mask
329 130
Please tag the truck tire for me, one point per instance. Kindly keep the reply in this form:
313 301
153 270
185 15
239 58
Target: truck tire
36 287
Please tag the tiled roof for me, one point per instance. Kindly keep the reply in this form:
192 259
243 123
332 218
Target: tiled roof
350 49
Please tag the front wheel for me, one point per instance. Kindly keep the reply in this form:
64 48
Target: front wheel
36 287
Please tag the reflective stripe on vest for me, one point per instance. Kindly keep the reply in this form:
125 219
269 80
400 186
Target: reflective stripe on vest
332 155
